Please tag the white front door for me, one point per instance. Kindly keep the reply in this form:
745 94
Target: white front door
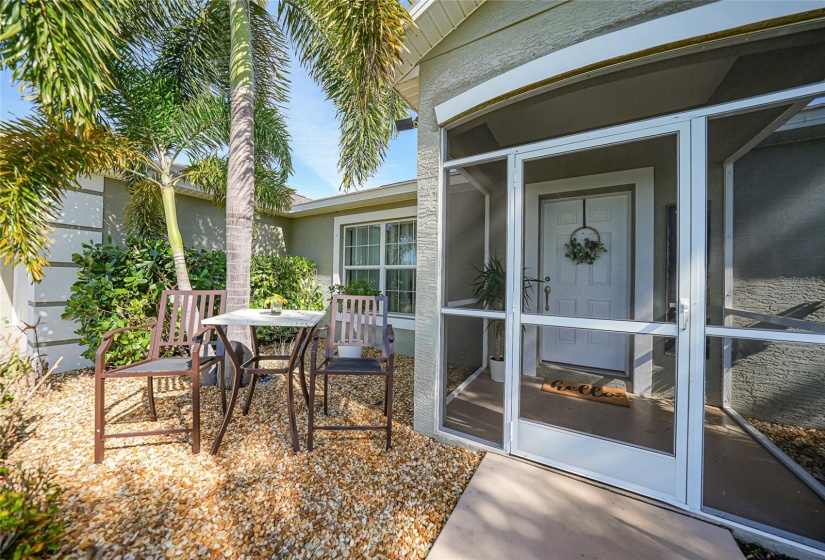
597 291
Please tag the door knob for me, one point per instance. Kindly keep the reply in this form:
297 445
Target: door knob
547 297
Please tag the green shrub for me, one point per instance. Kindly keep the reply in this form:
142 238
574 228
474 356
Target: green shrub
119 286
28 507
290 277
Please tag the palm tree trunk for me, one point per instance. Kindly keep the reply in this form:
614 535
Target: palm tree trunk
167 193
240 189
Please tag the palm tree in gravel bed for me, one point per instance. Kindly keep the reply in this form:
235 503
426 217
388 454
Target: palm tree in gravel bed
168 119
349 48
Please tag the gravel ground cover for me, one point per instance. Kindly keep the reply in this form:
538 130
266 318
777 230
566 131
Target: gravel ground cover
806 446
755 552
456 375
151 498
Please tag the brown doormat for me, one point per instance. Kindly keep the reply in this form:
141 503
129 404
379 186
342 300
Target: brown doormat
586 391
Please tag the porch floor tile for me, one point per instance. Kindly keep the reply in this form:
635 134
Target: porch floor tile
511 509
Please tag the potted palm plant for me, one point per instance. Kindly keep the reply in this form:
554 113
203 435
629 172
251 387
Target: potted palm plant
361 287
490 291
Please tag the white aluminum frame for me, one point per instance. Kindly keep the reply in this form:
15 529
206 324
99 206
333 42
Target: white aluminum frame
691 125
452 308
650 472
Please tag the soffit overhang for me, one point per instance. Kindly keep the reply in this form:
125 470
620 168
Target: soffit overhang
434 20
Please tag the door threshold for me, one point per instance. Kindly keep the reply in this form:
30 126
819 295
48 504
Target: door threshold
561 367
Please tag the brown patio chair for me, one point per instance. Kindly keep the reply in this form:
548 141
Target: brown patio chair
359 327
178 325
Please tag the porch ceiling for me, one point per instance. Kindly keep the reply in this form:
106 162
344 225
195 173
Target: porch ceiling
434 20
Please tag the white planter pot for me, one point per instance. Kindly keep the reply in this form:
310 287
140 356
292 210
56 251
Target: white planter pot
497 370
350 351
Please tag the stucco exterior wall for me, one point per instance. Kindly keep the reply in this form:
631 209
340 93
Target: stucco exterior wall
202 224
779 259
497 37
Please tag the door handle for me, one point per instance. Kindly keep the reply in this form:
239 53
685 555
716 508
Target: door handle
684 313
547 298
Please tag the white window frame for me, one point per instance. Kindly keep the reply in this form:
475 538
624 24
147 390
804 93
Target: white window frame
398 320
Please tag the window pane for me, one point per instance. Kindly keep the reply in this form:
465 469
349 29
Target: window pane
392 254
401 291
372 276
406 254
375 234
408 232
392 233
374 255
401 248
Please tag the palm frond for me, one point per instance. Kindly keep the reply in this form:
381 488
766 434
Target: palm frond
200 127
272 140
144 212
193 50
271 190
350 49
209 175
270 56
40 159
143 105
62 49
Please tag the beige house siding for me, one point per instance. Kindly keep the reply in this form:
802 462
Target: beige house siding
202 224
7 314
468 57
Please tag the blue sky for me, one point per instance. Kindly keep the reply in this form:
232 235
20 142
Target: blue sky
314 132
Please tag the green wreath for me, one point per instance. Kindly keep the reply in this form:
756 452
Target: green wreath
584 253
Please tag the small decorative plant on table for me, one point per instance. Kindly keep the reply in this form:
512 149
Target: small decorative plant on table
490 291
362 287
276 304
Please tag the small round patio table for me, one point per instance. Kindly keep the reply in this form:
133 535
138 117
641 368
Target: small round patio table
304 321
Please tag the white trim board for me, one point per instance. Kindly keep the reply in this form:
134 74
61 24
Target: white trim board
705 20
407 212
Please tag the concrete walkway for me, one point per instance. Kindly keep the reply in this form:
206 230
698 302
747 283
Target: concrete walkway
512 509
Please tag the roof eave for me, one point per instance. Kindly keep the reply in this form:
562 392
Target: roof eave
434 20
